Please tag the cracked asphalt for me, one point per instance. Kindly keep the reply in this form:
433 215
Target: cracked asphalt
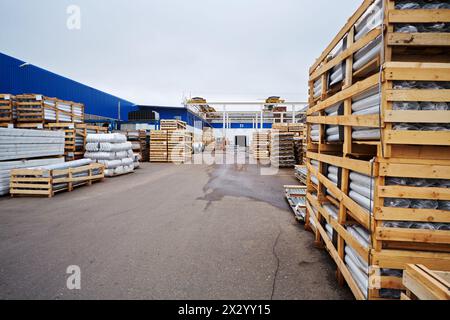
165 232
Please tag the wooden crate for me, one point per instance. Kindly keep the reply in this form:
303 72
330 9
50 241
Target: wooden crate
70 137
35 182
424 284
410 154
179 146
260 147
172 125
7 108
31 108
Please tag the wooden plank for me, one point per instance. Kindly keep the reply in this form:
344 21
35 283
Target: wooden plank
360 166
418 95
371 121
425 171
418 39
409 214
416 71
412 235
419 16
399 259
414 192
404 116
432 138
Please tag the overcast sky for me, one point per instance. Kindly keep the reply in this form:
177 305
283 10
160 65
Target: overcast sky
155 51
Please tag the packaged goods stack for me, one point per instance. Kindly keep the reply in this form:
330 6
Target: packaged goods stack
111 150
20 148
179 146
379 145
209 140
261 145
82 130
35 108
7 109
282 149
52 178
158 146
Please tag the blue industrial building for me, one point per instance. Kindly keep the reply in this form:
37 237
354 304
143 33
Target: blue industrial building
17 77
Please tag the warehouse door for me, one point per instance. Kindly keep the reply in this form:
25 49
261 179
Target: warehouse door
241 141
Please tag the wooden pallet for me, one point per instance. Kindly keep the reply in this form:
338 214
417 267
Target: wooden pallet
70 137
81 132
423 284
35 182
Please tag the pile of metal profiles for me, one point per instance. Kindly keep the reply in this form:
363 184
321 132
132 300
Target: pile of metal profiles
18 144
296 197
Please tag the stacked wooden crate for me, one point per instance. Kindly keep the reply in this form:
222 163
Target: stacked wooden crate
179 146
70 137
6 108
282 127
171 125
158 146
139 141
38 109
208 138
282 149
261 145
379 146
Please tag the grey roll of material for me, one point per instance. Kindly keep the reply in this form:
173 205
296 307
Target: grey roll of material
360 278
370 20
361 200
332 210
332 130
369 99
333 138
361 179
110 137
367 54
315 164
364 191
368 111
372 134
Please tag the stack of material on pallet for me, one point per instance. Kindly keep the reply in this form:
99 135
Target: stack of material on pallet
393 151
301 173
208 138
27 144
82 131
281 127
296 197
49 179
179 146
7 166
333 133
35 108
333 212
7 108
282 149
172 125
113 151
297 128
138 139
158 146
261 145
362 190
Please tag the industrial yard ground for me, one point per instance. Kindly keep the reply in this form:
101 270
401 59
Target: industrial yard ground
165 232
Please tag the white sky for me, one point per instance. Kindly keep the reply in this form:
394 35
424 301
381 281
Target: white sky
154 52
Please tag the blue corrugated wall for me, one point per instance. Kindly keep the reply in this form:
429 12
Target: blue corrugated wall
32 79
170 113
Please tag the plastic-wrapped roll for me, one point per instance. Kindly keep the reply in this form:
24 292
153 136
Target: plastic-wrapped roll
367 102
337 76
360 236
315 132
315 126
368 111
332 211
361 200
365 191
314 180
370 20
329 230
367 54
333 178
110 164
112 138
359 261
315 163
333 138
127 161
361 279
333 170
361 179
315 138
373 134
333 130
